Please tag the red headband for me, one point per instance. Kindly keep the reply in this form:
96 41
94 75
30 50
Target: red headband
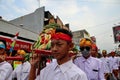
94 46
62 36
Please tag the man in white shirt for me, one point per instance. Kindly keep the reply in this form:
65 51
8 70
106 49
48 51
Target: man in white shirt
105 61
113 64
90 65
21 72
62 68
5 67
118 58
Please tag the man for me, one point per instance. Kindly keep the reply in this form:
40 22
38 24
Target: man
94 51
90 65
5 67
21 72
62 68
113 65
105 61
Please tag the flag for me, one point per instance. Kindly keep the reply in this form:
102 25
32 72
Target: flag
13 43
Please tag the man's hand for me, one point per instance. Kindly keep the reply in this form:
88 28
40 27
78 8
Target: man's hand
2 57
115 72
35 59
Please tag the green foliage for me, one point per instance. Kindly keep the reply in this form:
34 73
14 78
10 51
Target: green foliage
27 57
52 25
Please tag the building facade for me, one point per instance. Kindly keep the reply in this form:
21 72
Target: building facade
77 35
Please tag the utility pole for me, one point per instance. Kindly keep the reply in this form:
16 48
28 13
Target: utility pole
38 3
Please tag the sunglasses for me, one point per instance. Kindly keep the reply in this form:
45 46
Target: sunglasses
87 48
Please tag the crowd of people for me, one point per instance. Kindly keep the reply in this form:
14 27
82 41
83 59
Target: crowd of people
87 66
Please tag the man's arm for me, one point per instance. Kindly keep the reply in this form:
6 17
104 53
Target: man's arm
35 59
32 74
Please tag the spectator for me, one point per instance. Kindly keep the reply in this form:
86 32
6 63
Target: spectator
5 67
105 61
21 72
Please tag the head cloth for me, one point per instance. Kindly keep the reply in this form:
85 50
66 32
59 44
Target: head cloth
62 36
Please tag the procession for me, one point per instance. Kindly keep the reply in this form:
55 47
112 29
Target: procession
39 46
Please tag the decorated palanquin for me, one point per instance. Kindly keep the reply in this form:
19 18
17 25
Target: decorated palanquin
42 45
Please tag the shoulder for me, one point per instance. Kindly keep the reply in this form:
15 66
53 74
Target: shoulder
76 69
78 72
6 64
48 67
27 64
78 59
7 67
96 61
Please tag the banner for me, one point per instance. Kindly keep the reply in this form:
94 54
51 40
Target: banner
116 33
19 43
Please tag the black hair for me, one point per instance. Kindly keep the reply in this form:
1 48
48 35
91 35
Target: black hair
4 42
64 31
104 51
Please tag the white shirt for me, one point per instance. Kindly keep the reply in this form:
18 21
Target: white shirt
118 58
66 71
5 70
113 63
105 64
21 72
91 66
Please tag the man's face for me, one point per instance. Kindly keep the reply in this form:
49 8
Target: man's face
112 54
59 49
85 50
2 50
2 57
93 52
104 53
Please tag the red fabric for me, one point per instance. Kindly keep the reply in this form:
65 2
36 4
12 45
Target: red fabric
45 52
112 52
14 58
62 36
95 47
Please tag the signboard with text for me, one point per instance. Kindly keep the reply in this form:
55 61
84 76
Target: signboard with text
19 43
116 33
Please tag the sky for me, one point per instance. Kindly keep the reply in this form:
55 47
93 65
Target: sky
96 16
